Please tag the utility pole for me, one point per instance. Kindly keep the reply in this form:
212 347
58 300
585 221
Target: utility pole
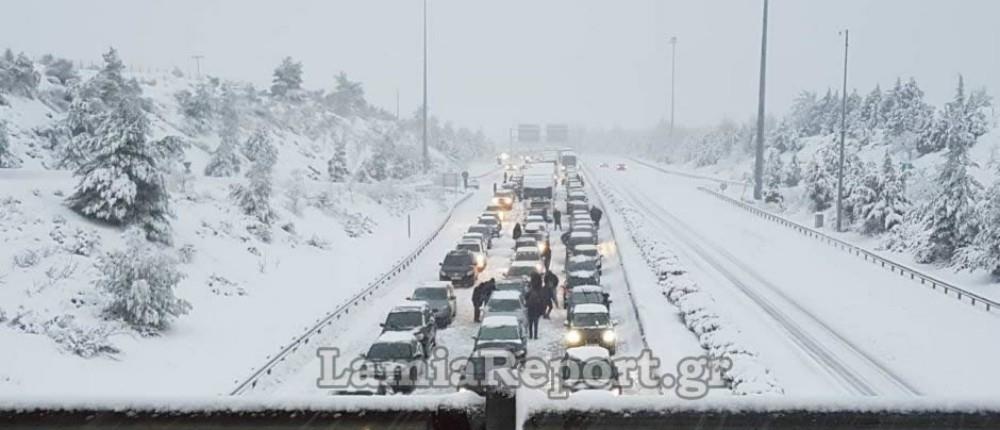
843 136
758 166
673 72
427 158
397 104
197 65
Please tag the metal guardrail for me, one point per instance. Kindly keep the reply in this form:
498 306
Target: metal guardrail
960 293
345 309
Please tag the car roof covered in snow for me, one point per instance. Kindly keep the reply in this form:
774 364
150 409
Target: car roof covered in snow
492 352
527 249
588 352
581 234
585 247
410 307
534 226
505 295
526 239
580 258
587 289
434 284
479 226
471 241
500 321
590 308
396 337
524 263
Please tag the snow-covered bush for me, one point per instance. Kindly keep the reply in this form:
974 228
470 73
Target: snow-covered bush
225 160
86 342
255 197
26 258
140 282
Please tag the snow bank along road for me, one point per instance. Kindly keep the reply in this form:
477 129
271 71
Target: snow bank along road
826 323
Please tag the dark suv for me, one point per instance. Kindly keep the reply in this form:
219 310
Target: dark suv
415 318
459 267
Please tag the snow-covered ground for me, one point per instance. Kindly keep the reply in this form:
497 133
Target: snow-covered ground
824 322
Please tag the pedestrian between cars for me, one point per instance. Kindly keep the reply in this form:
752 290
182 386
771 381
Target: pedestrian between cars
595 215
480 295
557 217
517 231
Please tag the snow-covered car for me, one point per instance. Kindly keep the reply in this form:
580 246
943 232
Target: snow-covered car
518 284
585 294
504 332
582 270
604 165
476 247
591 324
586 250
524 269
501 211
479 374
577 206
476 237
492 220
589 368
509 303
576 196
395 359
584 225
484 230
416 319
621 167
537 231
440 297
542 215
534 219
459 267
504 199
528 254
525 242
473 183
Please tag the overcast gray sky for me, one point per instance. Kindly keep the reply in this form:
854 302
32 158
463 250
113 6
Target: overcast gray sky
496 63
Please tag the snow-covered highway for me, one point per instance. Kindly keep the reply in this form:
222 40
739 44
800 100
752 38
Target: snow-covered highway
825 323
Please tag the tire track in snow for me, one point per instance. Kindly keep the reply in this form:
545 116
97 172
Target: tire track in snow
849 378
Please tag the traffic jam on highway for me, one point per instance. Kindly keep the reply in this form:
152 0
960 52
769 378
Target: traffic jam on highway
541 210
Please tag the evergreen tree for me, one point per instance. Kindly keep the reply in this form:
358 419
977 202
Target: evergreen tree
90 102
7 157
255 197
337 166
141 280
870 113
62 70
907 115
349 98
794 174
890 207
225 161
950 215
122 180
287 78
774 171
819 186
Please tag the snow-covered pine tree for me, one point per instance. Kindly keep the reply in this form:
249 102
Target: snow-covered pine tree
61 70
225 161
7 157
820 188
908 117
122 180
864 194
255 197
140 281
951 215
891 206
793 175
871 113
287 78
337 166
349 97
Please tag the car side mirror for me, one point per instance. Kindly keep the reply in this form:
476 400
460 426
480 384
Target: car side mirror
565 323
441 264
472 337
362 356
409 299
614 322
381 325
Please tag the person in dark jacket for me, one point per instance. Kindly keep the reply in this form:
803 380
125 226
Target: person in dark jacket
557 217
595 215
580 177
480 295
535 300
517 231
551 285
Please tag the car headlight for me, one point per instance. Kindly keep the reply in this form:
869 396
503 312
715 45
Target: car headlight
573 337
471 272
442 273
608 336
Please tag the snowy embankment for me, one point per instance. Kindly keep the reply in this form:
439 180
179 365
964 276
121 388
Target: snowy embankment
717 335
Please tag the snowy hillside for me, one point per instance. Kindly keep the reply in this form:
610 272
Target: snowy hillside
249 288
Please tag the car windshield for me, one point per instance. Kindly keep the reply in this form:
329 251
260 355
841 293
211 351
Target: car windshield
579 298
458 260
488 221
494 333
430 294
504 305
508 285
581 264
590 319
520 271
468 247
404 320
389 351
526 256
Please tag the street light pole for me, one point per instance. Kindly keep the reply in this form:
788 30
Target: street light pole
758 167
673 73
197 64
427 159
843 137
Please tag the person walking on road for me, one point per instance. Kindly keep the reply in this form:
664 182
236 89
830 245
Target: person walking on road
517 231
595 215
557 217
551 285
535 300
547 255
